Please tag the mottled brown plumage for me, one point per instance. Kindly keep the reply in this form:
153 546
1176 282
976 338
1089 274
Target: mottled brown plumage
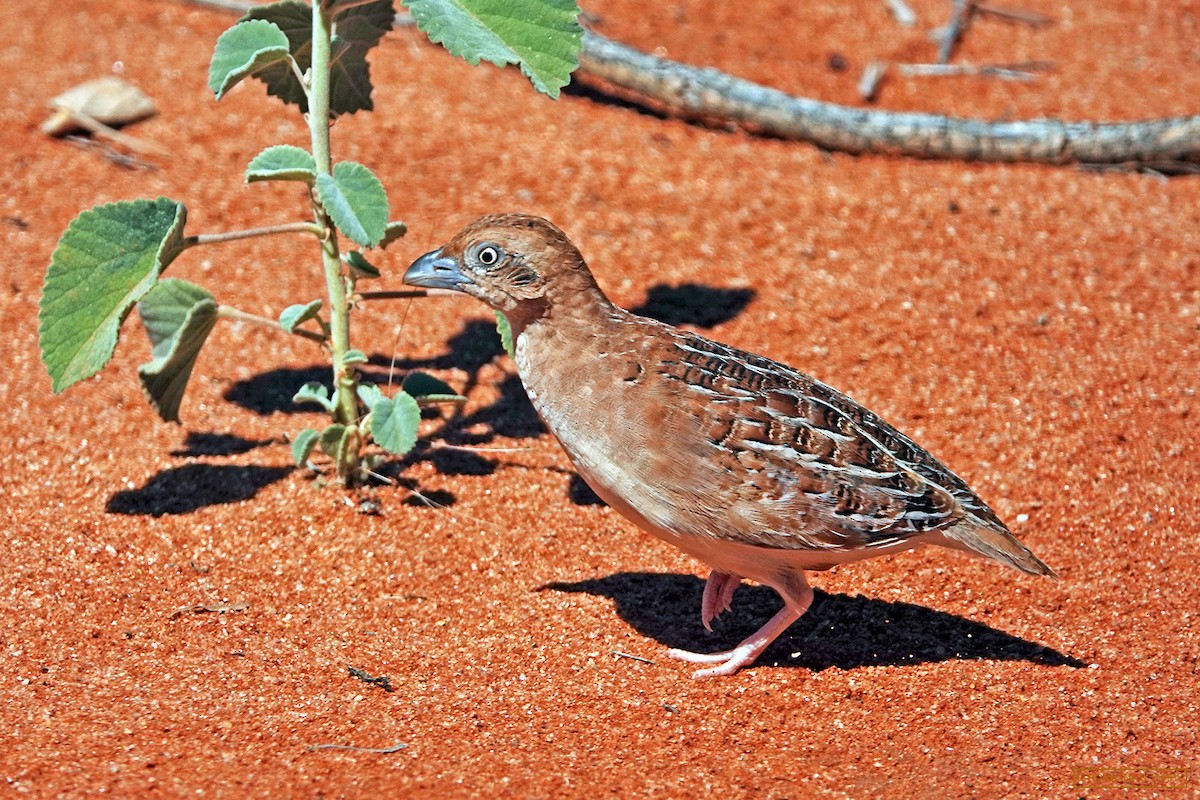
756 469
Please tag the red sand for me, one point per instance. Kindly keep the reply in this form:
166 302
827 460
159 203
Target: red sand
1038 328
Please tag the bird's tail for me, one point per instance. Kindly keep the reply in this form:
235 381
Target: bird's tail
979 538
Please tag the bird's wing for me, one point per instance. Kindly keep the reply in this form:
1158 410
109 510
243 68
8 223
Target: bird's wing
808 467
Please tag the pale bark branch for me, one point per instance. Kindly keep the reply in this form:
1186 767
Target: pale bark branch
708 93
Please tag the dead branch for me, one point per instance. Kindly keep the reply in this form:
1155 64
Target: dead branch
701 92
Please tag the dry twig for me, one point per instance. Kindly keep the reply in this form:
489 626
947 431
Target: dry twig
209 608
1024 73
1021 15
960 17
868 84
382 681
903 14
397 747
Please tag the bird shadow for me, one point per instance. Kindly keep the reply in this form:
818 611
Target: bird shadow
841 631
181 490
694 304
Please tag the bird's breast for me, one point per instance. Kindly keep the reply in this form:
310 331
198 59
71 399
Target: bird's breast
638 448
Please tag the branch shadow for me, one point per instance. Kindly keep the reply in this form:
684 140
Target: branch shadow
838 631
181 490
610 96
694 304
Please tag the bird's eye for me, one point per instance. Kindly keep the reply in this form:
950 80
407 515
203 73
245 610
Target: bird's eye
488 255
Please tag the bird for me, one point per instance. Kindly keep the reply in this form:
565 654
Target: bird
754 468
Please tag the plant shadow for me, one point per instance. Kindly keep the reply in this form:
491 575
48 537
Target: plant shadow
510 416
839 630
272 391
181 490
210 443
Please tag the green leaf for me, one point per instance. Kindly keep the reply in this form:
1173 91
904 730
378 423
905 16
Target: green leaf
357 28
177 316
356 202
333 440
294 19
354 357
298 314
394 423
370 394
393 232
505 331
359 265
314 392
425 387
248 47
303 444
108 258
543 36
282 162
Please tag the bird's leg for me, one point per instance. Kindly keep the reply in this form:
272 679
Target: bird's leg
718 594
795 603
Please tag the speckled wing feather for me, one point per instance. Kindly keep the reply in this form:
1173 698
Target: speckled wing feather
824 471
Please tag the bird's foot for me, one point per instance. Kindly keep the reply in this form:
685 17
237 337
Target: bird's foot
727 662
730 661
718 596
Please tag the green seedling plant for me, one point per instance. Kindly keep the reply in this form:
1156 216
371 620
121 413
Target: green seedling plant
312 56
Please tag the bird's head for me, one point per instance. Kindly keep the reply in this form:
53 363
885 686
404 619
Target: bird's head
521 265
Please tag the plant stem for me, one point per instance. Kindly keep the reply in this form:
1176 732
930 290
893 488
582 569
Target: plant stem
229 312
270 230
344 380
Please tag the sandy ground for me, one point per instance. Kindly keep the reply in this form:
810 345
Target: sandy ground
1038 328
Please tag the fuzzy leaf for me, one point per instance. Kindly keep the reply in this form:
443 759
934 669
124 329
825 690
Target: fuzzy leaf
542 36
303 444
108 258
370 394
357 28
314 392
356 202
354 357
282 162
359 265
298 314
394 423
333 439
177 316
248 47
393 232
505 331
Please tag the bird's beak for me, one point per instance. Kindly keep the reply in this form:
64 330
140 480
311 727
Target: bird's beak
435 271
